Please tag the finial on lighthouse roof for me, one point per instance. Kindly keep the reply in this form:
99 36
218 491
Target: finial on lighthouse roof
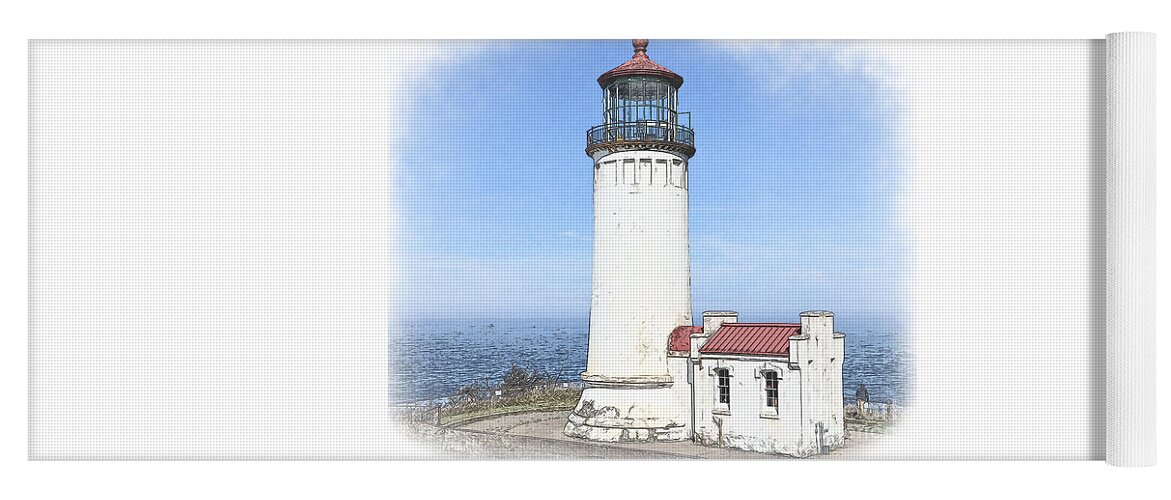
639 65
640 46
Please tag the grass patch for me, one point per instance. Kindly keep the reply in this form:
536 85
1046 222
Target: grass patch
874 426
534 399
521 390
459 417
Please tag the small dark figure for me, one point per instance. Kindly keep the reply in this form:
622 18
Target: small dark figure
890 410
863 399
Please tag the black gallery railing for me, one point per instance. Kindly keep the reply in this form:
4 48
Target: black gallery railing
640 131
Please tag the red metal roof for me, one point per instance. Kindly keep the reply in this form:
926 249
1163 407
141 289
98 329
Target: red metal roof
681 338
640 65
767 339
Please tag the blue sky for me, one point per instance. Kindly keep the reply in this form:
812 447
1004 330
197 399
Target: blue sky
794 189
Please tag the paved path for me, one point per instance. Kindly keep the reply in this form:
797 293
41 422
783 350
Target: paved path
540 433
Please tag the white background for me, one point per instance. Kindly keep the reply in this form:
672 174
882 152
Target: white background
986 19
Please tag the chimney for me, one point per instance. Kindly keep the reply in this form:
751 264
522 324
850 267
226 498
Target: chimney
713 319
817 324
711 323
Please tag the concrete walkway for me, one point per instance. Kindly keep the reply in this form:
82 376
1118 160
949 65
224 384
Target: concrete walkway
544 430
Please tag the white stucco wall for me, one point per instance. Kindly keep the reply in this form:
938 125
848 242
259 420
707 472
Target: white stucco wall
818 353
641 292
746 422
809 396
679 367
641 267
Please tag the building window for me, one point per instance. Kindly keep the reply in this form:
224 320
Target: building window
770 389
724 384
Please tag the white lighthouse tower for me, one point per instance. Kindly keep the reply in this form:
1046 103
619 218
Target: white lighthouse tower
641 267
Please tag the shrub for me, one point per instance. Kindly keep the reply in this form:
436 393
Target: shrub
470 393
521 389
520 379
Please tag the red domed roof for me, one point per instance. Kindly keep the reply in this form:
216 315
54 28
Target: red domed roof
640 65
681 338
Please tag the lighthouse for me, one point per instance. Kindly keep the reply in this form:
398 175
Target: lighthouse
641 269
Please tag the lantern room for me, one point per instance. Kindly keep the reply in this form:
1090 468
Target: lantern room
640 102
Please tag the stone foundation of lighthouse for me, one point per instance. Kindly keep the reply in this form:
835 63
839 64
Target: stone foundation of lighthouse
641 292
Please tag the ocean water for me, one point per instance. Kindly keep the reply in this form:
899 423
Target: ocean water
432 359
